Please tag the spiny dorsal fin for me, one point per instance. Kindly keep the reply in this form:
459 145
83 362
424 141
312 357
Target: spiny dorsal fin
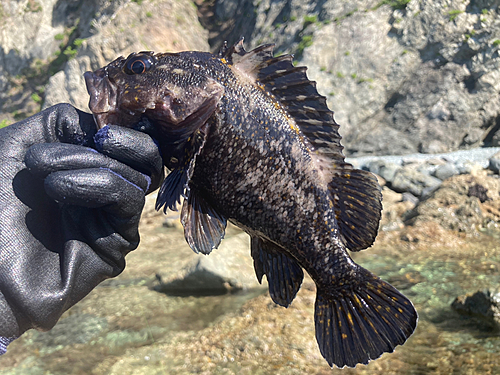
247 63
356 193
290 85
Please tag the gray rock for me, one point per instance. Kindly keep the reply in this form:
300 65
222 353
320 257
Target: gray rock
446 171
412 181
169 26
409 197
470 166
386 170
494 163
228 268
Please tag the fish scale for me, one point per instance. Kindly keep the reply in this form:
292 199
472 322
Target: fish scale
247 138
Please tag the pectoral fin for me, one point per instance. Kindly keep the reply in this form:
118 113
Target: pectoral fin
175 184
204 227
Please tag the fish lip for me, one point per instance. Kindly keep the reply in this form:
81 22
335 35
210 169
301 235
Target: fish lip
103 95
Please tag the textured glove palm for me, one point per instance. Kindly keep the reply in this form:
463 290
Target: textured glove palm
68 213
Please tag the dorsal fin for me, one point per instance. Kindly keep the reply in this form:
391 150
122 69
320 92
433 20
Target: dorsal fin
356 193
290 85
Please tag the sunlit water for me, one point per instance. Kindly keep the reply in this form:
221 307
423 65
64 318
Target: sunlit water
126 321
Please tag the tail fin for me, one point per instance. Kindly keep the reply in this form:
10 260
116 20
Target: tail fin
362 321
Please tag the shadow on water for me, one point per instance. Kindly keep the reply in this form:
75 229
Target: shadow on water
200 311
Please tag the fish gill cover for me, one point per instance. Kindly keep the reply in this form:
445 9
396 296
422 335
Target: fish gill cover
247 138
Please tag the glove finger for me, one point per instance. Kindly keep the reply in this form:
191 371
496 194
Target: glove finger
96 188
133 148
45 158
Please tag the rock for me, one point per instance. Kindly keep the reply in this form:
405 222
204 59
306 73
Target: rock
482 305
410 180
469 167
478 191
409 197
386 170
37 37
71 330
229 268
494 163
464 203
418 77
446 171
68 85
394 207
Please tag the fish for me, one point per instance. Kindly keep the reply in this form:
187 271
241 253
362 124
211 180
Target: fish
248 139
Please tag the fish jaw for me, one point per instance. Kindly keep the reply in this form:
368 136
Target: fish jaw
103 95
110 102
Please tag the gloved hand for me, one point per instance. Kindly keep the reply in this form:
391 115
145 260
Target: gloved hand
70 203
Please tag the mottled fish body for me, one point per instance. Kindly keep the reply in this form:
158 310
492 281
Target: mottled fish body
248 139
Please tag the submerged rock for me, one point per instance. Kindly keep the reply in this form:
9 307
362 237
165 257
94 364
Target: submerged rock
483 305
226 269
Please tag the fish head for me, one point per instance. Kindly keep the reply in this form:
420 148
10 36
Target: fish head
165 88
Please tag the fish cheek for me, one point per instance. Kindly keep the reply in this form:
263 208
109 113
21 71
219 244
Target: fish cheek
186 110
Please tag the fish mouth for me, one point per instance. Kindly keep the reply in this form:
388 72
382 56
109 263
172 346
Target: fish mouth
103 95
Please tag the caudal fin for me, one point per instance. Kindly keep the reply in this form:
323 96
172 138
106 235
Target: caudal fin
359 322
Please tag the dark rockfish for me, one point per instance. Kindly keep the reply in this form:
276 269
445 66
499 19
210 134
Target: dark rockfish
248 139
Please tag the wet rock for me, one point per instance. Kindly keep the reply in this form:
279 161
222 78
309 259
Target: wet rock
483 305
227 269
72 330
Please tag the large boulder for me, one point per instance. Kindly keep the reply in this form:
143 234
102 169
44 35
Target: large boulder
421 76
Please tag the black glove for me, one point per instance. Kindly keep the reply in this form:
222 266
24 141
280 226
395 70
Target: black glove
68 213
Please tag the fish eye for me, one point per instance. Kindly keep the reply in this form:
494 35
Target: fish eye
138 64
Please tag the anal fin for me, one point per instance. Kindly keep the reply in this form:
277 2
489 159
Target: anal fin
361 320
284 274
204 227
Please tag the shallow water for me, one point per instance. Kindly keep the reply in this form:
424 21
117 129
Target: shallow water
125 327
